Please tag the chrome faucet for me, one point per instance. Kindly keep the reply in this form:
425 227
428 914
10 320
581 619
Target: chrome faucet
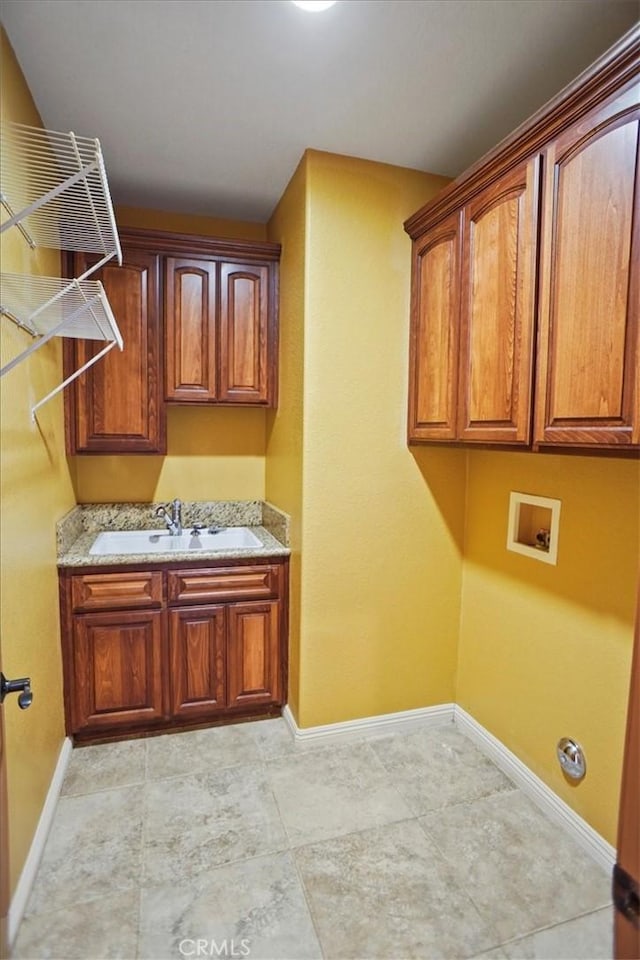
173 520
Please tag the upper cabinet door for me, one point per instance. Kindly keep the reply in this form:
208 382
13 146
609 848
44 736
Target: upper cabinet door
247 344
433 367
190 329
587 388
116 406
497 309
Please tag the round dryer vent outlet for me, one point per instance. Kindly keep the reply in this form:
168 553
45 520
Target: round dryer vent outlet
571 758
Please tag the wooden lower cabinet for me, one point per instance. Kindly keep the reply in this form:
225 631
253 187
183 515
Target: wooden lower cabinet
254 661
224 656
117 669
197 655
136 670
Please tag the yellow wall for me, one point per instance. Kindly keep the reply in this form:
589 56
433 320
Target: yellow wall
545 651
35 491
381 532
403 593
284 467
189 223
212 453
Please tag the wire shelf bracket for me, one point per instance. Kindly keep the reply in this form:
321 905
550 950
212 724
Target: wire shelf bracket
66 308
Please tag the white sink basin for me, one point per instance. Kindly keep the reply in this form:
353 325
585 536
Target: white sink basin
160 541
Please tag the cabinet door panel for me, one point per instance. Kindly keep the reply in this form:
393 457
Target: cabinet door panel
588 357
190 329
197 657
116 406
497 309
117 670
433 373
244 315
254 671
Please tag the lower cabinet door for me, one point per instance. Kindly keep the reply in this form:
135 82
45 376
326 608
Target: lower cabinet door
254 669
117 669
197 661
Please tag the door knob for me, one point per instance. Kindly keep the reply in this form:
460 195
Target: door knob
21 687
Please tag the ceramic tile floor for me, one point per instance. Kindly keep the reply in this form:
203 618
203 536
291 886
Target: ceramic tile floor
412 845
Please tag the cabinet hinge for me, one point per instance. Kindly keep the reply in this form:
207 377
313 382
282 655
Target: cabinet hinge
626 895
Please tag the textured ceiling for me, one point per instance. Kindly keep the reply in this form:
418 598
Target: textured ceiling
207 107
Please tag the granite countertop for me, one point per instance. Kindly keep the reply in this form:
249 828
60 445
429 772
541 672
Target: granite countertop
77 531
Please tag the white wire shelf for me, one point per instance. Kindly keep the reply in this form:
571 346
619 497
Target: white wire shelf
53 307
55 190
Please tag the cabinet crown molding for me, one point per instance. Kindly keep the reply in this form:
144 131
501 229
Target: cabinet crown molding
616 68
189 244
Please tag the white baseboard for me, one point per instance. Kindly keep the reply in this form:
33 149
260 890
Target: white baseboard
537 790
530 784
27 877
379 726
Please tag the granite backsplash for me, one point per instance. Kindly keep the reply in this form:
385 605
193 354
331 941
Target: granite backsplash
96 517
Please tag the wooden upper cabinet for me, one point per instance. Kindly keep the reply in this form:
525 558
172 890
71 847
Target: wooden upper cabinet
199 320
116 406
221 332
245 376
433 373
526 279
190 330
588 382
498 309
473 317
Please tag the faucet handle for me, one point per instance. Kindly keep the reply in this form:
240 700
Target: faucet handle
197 529
160 510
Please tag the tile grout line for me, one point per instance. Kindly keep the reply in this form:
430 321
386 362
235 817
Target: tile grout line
100 790
461 885
144 847
259 765
393 785
291 851
552 926
277 805
408 801
468 892
307 899
354 833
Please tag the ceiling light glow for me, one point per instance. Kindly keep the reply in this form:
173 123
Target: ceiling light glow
314 6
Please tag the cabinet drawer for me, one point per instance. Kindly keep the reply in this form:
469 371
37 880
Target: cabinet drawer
222 583
111 591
